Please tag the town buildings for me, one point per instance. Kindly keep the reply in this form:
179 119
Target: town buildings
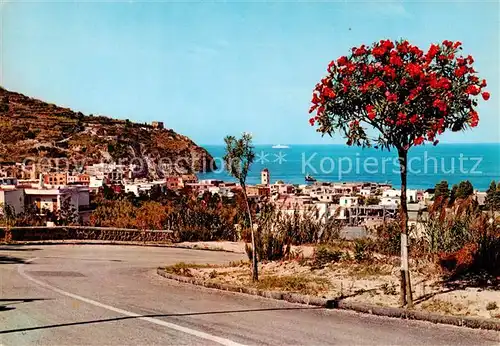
357 204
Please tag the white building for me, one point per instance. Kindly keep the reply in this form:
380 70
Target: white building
211 182
389 201
110 171
282 189
366 192
428 195
221 191
411 196
137 189
71 179
393 194
53 199
480 197
95 182
325 196
348 201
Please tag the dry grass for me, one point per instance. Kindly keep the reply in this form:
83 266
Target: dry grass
364 270
184 269
241 264
443 306
292 283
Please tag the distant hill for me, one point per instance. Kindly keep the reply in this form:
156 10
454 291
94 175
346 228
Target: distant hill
33 128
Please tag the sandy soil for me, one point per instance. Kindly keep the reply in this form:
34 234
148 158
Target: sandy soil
238 247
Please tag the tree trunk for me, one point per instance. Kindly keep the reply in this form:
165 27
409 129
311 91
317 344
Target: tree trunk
255 269
406 298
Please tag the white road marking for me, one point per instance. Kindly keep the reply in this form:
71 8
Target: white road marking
186 330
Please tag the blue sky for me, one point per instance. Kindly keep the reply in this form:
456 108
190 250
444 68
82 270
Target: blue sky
212 69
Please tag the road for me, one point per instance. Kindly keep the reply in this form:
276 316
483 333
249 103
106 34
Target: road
95 295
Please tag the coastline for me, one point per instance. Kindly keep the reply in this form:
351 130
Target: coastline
453 162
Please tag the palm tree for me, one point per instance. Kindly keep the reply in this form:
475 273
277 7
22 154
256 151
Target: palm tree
238 159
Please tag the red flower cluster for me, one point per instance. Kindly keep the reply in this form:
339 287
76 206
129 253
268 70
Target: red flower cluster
402 119
380 49
342 61
473 90
461 70
395 60
432 52
401 90
418 140
359 51
327 92
390 72
473 119
391 97
414 70
370 111
440 104
439 82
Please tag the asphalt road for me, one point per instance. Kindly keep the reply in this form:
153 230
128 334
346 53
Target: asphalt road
111 295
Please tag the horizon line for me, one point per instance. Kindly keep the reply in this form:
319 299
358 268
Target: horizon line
340 144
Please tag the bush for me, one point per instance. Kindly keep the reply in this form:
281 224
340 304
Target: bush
278 231
300 284
447 230
491 306
324 255
388 239
184 269
469 241
459 261
362 249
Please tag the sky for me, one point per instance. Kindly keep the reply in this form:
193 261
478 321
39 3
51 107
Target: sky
212 69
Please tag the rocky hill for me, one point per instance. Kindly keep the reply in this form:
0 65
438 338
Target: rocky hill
36 129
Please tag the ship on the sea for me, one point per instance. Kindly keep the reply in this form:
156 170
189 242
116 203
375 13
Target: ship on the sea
280 146
310 178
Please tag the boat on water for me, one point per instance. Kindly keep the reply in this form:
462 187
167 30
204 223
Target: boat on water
309 178
280 146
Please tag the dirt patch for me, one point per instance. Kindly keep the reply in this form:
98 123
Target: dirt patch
238 247
375 282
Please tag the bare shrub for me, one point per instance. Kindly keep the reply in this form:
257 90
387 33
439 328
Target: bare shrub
324 255
278 230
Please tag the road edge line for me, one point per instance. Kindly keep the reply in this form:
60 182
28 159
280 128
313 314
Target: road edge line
460 321
186 330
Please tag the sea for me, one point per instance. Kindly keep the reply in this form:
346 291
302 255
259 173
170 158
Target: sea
427 165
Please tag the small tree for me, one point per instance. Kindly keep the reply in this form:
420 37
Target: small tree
238 159
7 219
464 190
492 200
372 200
405 97
7 216
151 215
67 214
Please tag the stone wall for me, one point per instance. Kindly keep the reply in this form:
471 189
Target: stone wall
85 233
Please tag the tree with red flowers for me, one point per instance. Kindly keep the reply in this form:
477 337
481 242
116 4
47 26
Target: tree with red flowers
406 96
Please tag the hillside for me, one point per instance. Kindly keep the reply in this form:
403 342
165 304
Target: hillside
33 128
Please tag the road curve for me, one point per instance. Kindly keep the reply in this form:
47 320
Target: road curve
95 295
